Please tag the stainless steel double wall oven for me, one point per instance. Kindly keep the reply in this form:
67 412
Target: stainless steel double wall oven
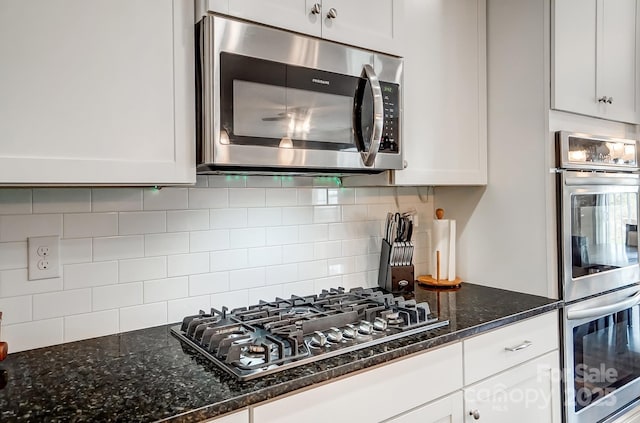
598 186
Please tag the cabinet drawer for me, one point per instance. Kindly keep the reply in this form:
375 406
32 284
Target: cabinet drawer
373 395
500 349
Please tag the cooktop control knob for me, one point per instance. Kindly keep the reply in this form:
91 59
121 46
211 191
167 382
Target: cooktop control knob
366 328
318 339
380 324
334 335
350 331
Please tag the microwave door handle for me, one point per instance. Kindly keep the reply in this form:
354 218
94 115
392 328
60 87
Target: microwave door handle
369 157
604 310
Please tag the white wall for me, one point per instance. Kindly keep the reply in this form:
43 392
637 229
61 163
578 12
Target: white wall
140 257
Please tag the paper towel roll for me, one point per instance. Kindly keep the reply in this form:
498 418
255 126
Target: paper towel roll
443 239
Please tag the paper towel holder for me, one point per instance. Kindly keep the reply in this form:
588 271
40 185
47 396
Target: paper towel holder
436 281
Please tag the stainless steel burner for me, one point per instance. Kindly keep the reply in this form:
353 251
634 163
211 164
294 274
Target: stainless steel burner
253 341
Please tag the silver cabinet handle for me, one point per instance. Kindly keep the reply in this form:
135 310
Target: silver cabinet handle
316 9
475 414
525 344
610 100
602 99
333 13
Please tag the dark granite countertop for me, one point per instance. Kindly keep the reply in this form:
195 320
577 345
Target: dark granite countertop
148 375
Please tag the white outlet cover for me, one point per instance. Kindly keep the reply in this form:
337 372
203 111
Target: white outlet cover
36 269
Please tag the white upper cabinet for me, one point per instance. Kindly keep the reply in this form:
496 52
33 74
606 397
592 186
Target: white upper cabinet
371 24
98 92
595 58
445 93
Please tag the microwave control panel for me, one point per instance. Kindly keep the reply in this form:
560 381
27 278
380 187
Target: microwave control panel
391 100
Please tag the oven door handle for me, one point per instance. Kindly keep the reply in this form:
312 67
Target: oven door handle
604 310
369 156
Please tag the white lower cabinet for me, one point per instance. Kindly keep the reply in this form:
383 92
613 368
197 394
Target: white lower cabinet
445 410
528 393
373 395
239 417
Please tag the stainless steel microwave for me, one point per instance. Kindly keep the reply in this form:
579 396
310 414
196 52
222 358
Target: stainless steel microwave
270 101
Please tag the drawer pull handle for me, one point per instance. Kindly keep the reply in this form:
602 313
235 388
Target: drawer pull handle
475 414
525 344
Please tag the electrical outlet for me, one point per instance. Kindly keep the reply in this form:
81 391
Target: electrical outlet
44 257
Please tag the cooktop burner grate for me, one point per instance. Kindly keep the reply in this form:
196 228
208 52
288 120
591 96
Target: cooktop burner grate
254 341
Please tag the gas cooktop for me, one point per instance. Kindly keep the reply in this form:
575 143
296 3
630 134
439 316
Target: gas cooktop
268 337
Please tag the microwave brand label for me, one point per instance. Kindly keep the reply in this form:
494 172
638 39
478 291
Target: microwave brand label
320 81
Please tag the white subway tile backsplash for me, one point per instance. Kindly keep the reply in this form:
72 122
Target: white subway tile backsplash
265 293
116 199
137 257
165 244
76 250
14 283
188 264
341 196
282 235
15 201
91 325
281 197
58 304
329 249
38 334
281 274
231 299
118 247
61 200
138 223
244 238
208 283
208 198
166 289
178 309
265 256
187 220
20 227
85 225
327 214
142 269
13 255
312 196
247 197
354 213
85 275
313 269
143 316
313 233
247 278
297 215
165 198
208 240
228 260
297 253
264 217
228 218
116 296
16 309
264 182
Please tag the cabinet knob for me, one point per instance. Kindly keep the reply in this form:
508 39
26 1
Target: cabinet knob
316 9
475 414
610 100
333 13
602 99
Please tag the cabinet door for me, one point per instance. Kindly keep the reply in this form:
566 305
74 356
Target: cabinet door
294 15
528 393
617 62
239 417
96 92
574 57
445 133
372 24
445 410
